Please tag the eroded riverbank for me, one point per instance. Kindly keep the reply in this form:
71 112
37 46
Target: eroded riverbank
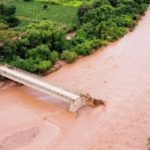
119 74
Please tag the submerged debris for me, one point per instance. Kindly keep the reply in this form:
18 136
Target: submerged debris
92 101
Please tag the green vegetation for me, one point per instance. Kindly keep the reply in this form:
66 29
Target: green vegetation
34 10
37 41
7 15
74 3
7 21
69 56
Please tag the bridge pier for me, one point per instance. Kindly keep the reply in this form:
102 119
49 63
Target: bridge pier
75 105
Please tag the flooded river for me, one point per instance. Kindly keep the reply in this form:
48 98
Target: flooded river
118 74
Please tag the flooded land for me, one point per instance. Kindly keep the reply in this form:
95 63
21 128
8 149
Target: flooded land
118 74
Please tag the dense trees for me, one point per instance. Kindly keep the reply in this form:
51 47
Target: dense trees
8 49
42 44
7 13
83 9
37 50
7 10
109 19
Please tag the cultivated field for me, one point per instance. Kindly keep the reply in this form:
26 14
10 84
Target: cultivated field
75 3
5 1
34 10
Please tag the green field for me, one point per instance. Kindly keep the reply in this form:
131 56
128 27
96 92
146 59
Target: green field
75 3
56 13
5 1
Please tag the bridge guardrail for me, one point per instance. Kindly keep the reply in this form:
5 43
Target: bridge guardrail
36 76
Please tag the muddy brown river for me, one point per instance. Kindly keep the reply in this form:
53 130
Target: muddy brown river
118 74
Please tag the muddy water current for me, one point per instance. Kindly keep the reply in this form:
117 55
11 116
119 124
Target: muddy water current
118 74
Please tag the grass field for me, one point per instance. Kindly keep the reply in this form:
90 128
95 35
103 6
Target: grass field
34 10
75 3
5 1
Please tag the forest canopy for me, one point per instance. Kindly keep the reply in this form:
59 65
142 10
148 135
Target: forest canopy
39 45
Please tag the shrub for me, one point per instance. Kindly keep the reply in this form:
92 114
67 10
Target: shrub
31 65
12 21
22 47
8 49
42 52
58 40
87 31
43 66
2 9
7 10
69 56
54 57
45 6
7 34
99 3
10 10
83 49
83 9
98 43
125 21
3 26
34 36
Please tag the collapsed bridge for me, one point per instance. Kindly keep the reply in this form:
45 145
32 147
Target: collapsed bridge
75 100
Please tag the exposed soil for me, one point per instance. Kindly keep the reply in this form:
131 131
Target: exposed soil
118 74
70 35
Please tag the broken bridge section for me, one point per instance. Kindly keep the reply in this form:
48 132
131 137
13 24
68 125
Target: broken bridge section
75 100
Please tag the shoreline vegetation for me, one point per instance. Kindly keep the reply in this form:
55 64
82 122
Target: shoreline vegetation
39 46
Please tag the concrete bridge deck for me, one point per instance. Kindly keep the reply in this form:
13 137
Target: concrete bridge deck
75 99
